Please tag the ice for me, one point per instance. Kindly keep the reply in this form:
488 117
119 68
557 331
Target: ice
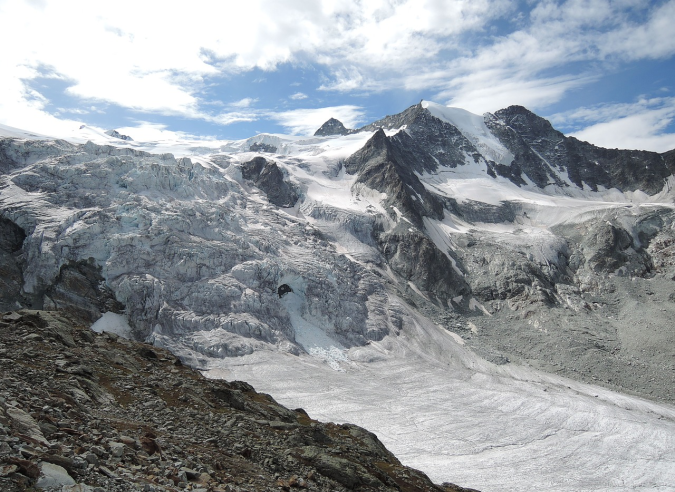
313 339
113 323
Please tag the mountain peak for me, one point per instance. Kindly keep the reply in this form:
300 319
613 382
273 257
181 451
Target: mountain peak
332 127
116 134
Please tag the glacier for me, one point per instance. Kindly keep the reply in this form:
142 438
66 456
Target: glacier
515 357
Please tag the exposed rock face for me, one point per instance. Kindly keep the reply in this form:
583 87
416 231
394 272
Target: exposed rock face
268 177
104 414
116 134
11 278
417 259
432 141
382 165
386 164
80 288
262 147
332 127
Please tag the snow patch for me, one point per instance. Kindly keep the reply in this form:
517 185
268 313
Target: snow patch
113 323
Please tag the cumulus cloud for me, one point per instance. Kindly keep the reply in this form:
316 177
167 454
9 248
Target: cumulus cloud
640 125
150 57
298 96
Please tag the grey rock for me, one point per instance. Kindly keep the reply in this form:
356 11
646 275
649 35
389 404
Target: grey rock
91 458
53 476
116 449
5 448
26 424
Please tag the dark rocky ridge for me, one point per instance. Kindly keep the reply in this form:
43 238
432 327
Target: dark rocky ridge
432 141
628 170
88 412
388 165
385 164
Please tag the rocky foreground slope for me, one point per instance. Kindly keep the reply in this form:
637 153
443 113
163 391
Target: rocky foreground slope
82 411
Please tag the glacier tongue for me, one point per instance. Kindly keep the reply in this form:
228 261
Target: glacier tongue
443 410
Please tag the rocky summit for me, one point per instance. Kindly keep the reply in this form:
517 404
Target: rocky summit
87 412
332 127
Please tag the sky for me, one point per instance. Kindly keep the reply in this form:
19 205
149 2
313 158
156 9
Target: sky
603 71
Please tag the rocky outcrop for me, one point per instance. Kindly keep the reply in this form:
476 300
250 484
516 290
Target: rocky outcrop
116 134
105 414
80 288
11 276
262 147
268 177
388 165
416 259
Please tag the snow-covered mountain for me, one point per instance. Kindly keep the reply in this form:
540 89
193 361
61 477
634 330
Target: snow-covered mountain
459 284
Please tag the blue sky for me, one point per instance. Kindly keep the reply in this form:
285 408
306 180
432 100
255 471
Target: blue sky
603 71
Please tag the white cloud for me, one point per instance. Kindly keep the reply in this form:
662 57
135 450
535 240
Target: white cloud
579 40
640 125
490 91
145 131
298 96
234 117
307 121
156 57
653 39
244 103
